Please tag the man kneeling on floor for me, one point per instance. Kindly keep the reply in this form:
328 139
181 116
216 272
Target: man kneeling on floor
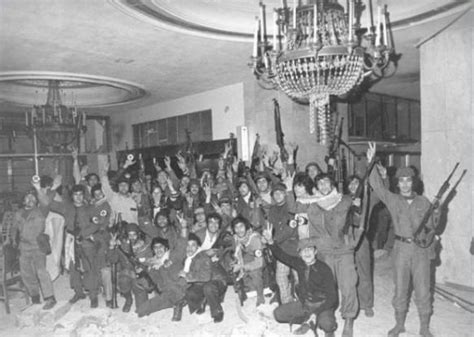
206 282
316 291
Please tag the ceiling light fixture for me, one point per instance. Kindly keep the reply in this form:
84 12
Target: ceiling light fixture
55 124
318 50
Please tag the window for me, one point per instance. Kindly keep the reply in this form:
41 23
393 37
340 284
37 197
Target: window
172 130
385 118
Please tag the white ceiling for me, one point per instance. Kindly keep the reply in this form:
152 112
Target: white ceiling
97 38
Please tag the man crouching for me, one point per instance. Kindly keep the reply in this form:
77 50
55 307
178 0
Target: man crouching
316 291
206 281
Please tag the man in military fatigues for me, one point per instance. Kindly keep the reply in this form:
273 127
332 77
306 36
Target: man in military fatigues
410 261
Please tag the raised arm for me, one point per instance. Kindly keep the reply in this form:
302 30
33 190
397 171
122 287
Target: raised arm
376 177
76 170
104 180
276 250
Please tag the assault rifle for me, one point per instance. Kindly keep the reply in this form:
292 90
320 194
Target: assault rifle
363 187
238 278
137 265
239 287
332 157
279 132
423 236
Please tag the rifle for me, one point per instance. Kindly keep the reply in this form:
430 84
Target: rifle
362 188
238 278
332 157
255 162
114 285
133 260
423 236
279 132
113 267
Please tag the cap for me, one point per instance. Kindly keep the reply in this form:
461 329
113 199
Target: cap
122 179
225 200
131 227
161 241
305 243
404 172
279 187
194 181
242 181
175 194
261 175
313 163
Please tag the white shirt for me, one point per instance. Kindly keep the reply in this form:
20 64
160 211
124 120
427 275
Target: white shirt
208 241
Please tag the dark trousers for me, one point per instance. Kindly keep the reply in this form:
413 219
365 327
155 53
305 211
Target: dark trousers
89 277
213 291
365 289
169 296
294 312
127 283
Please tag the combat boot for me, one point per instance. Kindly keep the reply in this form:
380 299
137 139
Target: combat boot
49 303
348 327
35 299
128 302
399 327
178 310
425 326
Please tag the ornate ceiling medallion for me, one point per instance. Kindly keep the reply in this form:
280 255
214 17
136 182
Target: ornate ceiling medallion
26 88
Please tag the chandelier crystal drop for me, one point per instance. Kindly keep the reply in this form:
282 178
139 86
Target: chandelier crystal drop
55 124
318 49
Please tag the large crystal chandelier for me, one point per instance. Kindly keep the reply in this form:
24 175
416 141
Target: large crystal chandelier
318 50
53 123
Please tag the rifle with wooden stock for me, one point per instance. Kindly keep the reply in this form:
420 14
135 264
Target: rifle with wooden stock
363 210
137 265
332 159
238 277
423 236
280 136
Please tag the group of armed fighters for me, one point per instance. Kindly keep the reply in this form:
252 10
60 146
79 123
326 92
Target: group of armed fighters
170 236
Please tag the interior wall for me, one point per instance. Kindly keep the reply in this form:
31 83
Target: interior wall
447 132
232 106
259 118
226 103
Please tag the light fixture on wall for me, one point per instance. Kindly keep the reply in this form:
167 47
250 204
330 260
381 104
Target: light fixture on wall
53 123
318 50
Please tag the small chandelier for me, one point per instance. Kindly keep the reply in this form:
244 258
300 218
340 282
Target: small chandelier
55 124
318 50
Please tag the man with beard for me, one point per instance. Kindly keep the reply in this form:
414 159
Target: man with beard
135 248
29 222
248 205
83 265
101 218
120 201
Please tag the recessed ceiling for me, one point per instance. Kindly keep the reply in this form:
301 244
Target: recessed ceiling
85 91
234 19
97 38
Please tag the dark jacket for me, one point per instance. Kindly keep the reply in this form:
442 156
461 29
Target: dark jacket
203 270
320 286
285 236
